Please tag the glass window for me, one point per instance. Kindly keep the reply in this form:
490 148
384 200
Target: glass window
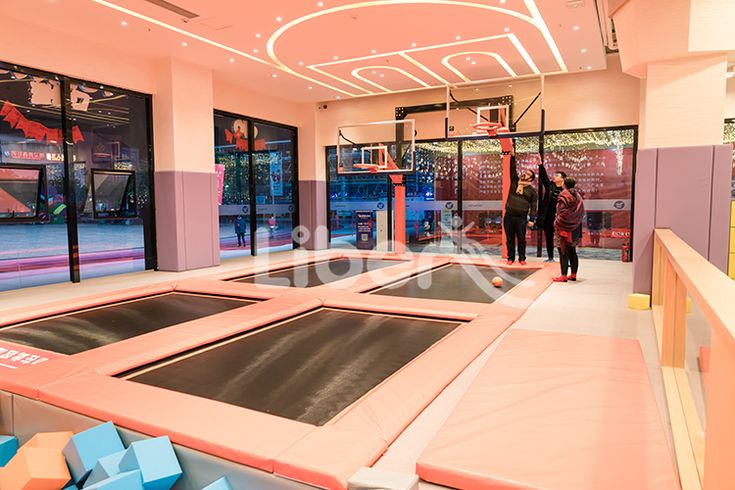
730 138
602 163
349 194
112 176
33 253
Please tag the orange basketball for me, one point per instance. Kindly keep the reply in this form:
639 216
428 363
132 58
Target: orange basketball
497 282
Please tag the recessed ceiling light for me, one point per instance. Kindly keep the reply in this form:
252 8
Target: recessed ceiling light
467 58
184 44
337 97
319 4
279 19
502 1
258 36
255 51
301 63
123 23
335 57
510 85
275 75
232 60
474 62
458 38
373 51
477 90
374 72
589 67
382 75
413 45
310 87
507 29
576 28
584 50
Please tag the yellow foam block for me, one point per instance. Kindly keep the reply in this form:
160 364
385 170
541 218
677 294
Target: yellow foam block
689 304
637 301
50 440
732 212
732 240
731 272
35 468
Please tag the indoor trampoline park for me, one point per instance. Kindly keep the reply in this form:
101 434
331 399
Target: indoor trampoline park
367 245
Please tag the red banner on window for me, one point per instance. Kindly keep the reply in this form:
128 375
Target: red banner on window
35 130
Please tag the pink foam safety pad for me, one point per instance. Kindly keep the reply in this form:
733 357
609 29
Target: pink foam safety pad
555 412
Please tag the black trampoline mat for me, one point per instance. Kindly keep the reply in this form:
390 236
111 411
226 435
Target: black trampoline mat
316 274
308 368
458 282
79 331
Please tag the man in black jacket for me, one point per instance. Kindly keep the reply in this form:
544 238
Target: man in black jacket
520 211
547 206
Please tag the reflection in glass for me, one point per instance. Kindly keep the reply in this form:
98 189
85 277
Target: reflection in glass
113 194
20 193
730 138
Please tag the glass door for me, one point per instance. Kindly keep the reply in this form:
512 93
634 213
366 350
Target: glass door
274 169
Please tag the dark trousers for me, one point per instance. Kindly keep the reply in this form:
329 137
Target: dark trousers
241 239
515 231
549 235
568 257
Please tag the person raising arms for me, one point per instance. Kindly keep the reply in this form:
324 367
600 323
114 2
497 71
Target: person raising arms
520 211
547 206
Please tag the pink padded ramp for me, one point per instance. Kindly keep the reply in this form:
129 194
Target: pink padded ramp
555 412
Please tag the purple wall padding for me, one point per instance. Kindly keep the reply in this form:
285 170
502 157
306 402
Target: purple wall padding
313 214
686 189
645 219
683 195
720 216
187 225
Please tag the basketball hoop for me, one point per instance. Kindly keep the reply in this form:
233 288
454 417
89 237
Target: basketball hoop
373 168
492 128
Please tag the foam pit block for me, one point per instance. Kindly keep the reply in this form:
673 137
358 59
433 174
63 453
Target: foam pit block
221 484
156 460
637 301
35 468
71 486
50 440
370 478
105 468
85 448
129 480
8 448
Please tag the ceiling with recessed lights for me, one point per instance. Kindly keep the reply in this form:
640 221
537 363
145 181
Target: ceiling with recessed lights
310 50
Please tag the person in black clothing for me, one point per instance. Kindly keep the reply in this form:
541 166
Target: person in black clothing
547 206
520 211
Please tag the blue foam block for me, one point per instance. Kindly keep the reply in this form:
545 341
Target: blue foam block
70 486
221 484
130 480
156 460
8 448
105 468
85 448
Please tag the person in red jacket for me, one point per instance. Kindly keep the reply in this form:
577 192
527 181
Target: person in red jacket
568 229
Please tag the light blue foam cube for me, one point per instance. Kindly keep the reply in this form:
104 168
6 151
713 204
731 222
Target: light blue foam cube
85 448
71 486
8 448
221 484
130 480
105 468
156 460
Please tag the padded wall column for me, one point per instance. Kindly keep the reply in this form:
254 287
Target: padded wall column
685 189
187 225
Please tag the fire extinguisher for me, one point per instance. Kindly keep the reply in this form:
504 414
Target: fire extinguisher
626 252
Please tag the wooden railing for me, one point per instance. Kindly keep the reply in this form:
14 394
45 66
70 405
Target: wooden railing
706 458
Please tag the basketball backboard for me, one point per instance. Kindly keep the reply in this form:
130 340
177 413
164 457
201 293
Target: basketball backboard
515 105
376 147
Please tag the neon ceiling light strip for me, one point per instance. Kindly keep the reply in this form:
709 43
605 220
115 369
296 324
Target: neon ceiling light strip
527 57
423 67
536 20
340 79
446 61
356 74
205 40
